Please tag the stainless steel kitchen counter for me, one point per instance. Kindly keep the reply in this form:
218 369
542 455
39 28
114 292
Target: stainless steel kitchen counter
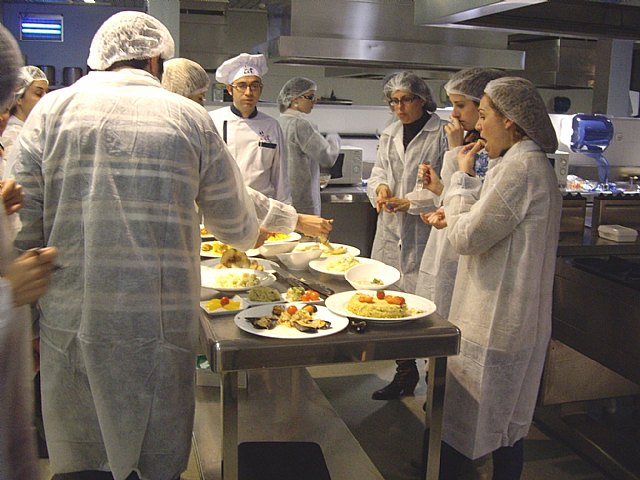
229 350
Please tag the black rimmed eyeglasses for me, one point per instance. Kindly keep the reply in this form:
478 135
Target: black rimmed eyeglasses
311 97
242 87
406 100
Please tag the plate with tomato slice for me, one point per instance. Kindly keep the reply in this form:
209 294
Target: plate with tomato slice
224 305
416 306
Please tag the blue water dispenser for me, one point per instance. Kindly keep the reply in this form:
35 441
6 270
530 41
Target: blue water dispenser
592 134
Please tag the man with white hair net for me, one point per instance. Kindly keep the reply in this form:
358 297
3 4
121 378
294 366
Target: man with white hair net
307 149
415 138
112 166
31 87
187 78
254 139
22 281
506 232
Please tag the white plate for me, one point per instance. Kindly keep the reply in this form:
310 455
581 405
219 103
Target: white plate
292 237
338 323
350 249
283 299
267 265
207 236
253 252
321 265
209 278
337 303
224 311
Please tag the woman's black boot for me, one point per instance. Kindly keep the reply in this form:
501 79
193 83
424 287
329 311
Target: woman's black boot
404 382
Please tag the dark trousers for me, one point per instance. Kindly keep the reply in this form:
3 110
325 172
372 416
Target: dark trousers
92 475
508 462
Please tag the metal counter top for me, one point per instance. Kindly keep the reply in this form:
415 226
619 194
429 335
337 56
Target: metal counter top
230 349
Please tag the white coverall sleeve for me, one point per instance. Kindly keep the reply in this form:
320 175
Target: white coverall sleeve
273 215
379 171
279 171
477 222
324 150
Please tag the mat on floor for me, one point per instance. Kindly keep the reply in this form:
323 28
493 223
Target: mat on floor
281 461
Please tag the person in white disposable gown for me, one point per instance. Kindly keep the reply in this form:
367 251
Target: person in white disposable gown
22 281
415 138
32 86
506 232
112 166
254 138
187 78
307 149
440 260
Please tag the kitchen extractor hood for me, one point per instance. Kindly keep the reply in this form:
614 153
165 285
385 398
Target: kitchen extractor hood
435 12
376 34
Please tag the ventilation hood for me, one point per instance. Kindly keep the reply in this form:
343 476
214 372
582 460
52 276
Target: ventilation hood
376 34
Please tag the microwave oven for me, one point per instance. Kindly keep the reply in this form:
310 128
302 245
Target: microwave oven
348 167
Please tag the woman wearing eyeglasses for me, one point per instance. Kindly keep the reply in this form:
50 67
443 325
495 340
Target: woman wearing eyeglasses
307 149
415 138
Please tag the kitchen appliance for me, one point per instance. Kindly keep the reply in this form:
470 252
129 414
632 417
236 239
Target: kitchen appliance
560 162
591 136
70 75
348 167
50 72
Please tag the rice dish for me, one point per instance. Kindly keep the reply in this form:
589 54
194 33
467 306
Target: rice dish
372 307
342 264
234 280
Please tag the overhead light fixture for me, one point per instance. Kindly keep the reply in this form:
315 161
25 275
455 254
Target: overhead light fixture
41 27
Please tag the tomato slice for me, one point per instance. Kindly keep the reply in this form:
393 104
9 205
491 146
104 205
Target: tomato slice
380 294
224 301
292 309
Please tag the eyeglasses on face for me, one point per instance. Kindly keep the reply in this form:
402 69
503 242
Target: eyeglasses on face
242 87
310 97
406 100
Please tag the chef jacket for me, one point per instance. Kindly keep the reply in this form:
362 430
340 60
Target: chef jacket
506 232
111 167
258 146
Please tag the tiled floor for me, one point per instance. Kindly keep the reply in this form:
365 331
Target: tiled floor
390 432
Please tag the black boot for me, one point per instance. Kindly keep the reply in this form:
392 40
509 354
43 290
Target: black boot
404 382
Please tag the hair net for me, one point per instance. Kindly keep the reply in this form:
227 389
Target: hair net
519 100
129 36
294 87
410 82
10 62
185 77
470 82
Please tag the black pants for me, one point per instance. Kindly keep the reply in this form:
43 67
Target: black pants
92 475
508 462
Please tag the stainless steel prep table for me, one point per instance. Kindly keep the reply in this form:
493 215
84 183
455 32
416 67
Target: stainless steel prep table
230 350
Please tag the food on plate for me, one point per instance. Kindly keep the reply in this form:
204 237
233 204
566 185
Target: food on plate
299 294
277 237
326 251
379 306
235 280
215 247
264 294
204 232
341 264
302 319
233 258
224 302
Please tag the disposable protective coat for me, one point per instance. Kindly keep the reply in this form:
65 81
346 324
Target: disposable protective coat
507 236
258 146
273 215
400 238
307 151
111 168
17 438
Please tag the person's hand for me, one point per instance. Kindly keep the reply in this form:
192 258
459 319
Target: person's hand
435 219
313 225
467 157
12 195
262 237
455 133
395 205
383 193
30 274
430 179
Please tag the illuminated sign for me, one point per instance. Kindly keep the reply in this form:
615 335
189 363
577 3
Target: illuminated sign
34 26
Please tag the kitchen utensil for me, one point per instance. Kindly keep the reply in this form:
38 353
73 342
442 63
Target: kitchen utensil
294 281
70 75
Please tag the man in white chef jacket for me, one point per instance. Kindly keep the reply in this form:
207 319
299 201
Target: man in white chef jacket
254 139
111 167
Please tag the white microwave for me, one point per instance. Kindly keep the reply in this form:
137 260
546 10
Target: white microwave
348 167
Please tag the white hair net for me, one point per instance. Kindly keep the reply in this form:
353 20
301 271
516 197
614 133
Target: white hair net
519 100
470 82
410 82
185 77
294 87
10 62
27 76
129 36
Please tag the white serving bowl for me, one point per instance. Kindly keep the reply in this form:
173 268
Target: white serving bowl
298 260
361 276
271 249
